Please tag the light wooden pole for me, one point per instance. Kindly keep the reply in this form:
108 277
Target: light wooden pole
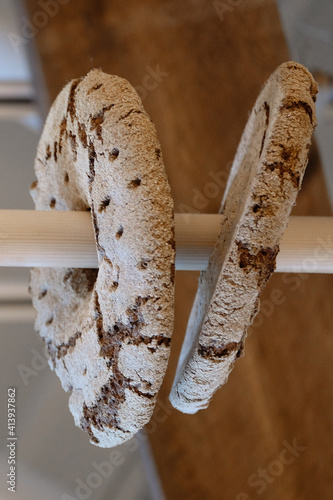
66 239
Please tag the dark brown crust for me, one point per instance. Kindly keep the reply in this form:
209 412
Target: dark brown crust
263 261
64 348
105 412
215 353
94 88
267 110
299 105
97 120
81 280
82 134
71 108
62 133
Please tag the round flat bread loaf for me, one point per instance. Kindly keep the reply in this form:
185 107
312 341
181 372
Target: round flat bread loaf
263 184
107 331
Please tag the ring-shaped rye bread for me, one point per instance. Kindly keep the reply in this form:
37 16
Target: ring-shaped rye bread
107 331
264 181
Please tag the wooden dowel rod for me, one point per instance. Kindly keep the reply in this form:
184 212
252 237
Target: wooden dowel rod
66 239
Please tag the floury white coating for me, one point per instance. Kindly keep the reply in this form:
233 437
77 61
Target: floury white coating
107 331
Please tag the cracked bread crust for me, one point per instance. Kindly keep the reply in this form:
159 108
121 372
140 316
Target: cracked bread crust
263 184
107 331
